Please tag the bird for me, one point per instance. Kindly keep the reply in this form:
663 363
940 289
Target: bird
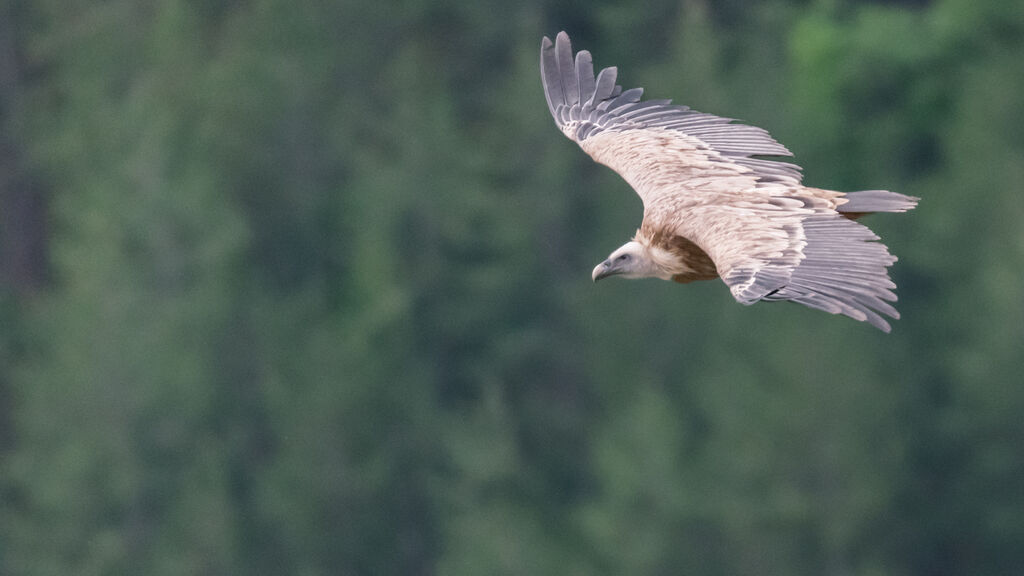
717 201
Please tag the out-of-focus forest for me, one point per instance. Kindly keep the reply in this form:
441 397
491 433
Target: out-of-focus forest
304 288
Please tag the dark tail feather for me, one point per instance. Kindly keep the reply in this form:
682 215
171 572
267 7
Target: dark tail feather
867 201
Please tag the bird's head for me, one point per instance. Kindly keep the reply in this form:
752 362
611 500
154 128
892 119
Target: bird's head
631 260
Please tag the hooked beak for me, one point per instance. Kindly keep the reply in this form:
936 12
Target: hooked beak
604 270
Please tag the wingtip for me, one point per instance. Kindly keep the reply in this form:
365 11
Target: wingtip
562 45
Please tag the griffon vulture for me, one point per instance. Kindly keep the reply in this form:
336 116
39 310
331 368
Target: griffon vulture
713 207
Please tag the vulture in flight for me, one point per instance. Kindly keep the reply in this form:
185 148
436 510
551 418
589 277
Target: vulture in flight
714 207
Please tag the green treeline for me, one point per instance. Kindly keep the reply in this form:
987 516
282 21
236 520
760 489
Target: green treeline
304 288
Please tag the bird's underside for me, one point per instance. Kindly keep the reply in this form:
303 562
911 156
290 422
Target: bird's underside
714 207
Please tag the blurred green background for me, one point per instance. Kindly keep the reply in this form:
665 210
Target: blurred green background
304 288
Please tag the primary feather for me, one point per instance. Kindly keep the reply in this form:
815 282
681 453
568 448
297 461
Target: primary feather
713 207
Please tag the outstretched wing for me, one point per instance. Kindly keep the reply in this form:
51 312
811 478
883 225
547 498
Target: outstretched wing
790 248
598 115
700 177
828 262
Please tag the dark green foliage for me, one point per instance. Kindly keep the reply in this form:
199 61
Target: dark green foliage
303 288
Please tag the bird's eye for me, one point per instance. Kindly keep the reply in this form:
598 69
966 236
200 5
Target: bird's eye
623 257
